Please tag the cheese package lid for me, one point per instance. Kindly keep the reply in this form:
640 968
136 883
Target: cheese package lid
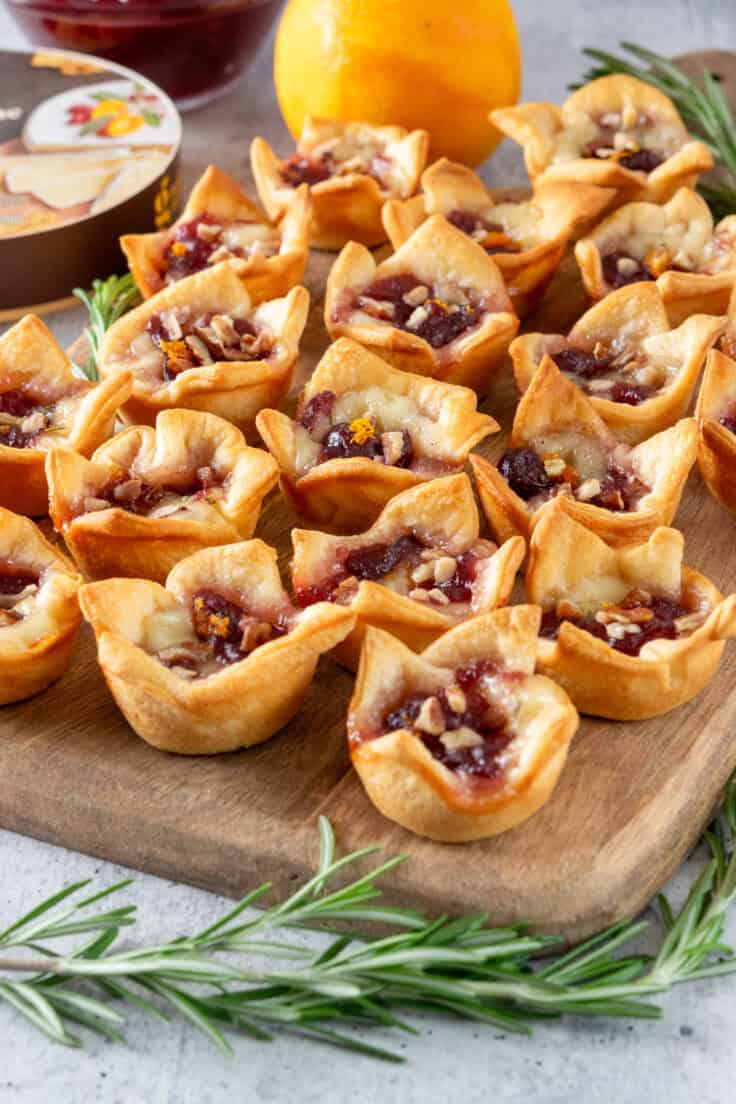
88 151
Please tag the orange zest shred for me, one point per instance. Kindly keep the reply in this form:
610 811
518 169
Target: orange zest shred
179 249
362 430
175 350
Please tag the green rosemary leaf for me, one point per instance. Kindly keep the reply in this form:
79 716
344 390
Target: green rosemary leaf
108 301
43 907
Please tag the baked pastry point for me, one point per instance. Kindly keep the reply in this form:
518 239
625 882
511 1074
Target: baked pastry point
561 450
637 370
44 405
629 632
438 306
526 238
463 741
418 571
365 431
351 170
216 660
199 344
716 416
39 612
218 223
150 497
675 244
617 132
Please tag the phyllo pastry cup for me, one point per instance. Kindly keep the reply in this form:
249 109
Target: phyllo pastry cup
419 570
220 223
150 497
629 632
716 415
39 612
463 741
363 432
637 370
216 660
200 344
617 132
526 238
561 450
438 306
44 405
675 244
351 170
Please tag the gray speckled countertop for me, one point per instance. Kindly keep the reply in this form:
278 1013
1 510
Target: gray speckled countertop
689 1056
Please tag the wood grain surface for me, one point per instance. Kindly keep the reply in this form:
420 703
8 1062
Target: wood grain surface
631 801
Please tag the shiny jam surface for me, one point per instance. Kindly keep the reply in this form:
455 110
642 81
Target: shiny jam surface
525 472
473 710
191 49
190 249
357 438
22 419
584 367
627 626
299 169
413 306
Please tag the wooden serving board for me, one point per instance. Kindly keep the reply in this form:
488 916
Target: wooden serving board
631 801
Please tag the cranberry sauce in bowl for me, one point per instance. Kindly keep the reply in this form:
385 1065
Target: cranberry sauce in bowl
627 626
622 376
536 476
438 316
194 50
464 726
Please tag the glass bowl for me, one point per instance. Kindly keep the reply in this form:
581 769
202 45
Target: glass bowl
194 51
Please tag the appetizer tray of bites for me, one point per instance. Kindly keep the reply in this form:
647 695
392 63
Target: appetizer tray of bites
401 501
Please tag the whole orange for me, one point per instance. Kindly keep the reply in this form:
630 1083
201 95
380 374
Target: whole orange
416 63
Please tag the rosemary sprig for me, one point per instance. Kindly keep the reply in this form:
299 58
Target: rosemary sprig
108 300
461 967
703 107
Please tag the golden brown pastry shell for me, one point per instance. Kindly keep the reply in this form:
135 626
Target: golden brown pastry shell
31 356
345 496
638 311
401 777
235 390
219 195
344 208
436 251
29 666
239 706
716 445
553 404
600 680
115 542
444 515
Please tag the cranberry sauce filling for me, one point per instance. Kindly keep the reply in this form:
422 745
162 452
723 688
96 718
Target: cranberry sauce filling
191 246
227 629
461 726
584 367
628 626
410 305
13 581
359 437
491 235
620 269
528 475
187 342
22 419
136 496
308 170
613 143
729 419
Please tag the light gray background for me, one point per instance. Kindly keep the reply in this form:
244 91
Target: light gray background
689 1056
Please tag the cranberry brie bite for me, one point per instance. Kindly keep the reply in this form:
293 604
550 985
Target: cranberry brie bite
561 449
716 415
638 372
220 223
617 131
526 238
39 613
44 405
437 306
150 497
364 431
417 571
629 632
200 344
351 170
216 660
463 741
676 244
